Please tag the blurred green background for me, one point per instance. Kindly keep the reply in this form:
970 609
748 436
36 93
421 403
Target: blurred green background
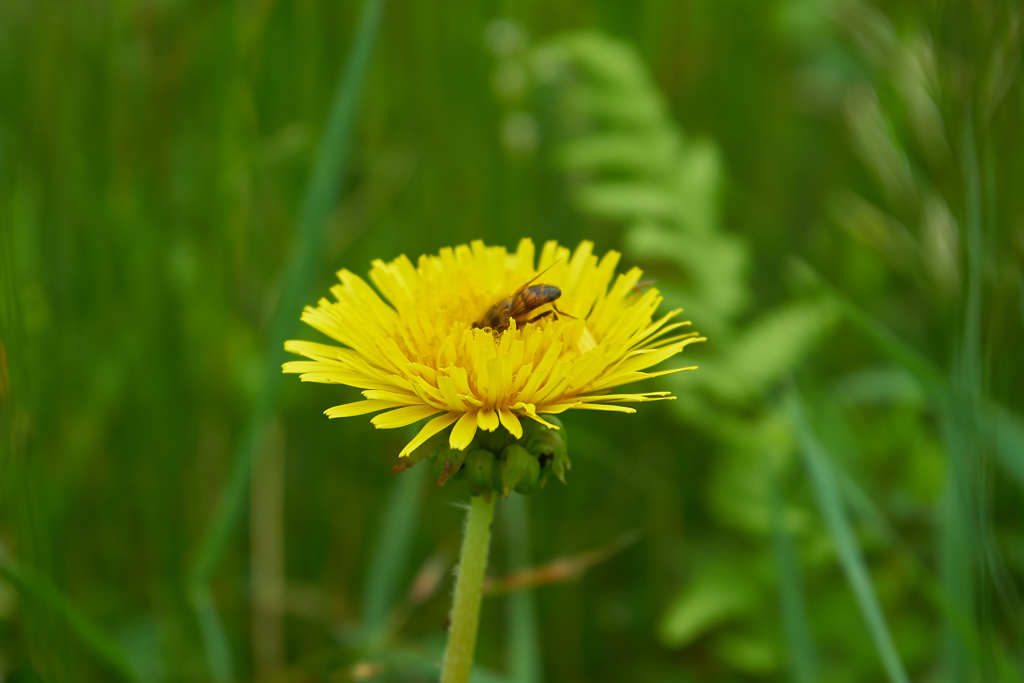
832 189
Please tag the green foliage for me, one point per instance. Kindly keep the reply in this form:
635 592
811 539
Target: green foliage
40 591
627 164
716 595
828 188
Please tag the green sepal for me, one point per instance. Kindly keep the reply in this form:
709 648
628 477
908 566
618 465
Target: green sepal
447 463
494 441
430 449
550 447
530 481
516 466
496 461
480 470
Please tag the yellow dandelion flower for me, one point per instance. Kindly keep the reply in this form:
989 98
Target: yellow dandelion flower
415 352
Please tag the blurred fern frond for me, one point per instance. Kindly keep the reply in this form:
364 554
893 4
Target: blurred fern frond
628 164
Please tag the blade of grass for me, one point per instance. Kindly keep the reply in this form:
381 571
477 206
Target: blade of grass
215 640
267 557
827 494
968 629
1003 426
23 480
927 374
1001 584
523 650
960 415
321 196
802 655
956 544
1007 430
962 532
391 553
99 644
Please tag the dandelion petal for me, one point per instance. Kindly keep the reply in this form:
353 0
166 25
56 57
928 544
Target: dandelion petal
359 408
487 419
463 431
510 422
401 417
430 429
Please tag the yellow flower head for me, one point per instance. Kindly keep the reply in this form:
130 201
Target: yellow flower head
416 352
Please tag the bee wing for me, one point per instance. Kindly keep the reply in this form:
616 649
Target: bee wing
520 303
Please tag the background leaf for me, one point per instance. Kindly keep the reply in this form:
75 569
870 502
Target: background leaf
826 188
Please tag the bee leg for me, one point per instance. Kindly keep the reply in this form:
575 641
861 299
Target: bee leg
538 317
560 312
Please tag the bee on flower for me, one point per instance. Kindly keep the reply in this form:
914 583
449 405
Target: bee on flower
459 338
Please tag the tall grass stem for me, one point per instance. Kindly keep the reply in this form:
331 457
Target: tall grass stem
391 552
524 658
320 199
850 558
803 658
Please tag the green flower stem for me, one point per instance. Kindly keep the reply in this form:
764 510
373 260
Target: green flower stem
458 657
